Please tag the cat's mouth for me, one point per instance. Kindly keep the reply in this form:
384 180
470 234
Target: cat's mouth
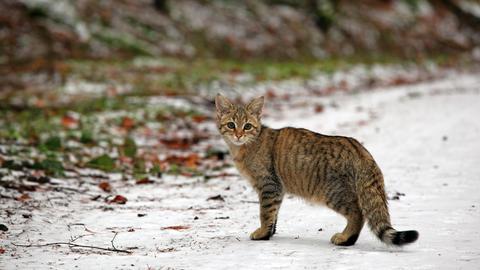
238 141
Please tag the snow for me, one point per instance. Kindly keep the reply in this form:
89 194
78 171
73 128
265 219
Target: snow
424 137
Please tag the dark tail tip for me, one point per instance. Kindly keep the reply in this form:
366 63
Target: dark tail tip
405 237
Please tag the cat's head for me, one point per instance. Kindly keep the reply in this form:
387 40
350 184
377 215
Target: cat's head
239 124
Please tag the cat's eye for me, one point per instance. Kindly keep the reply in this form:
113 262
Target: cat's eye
247 126
231 125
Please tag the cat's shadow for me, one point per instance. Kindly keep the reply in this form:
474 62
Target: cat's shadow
278 240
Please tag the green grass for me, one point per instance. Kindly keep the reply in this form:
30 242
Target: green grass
184 76
41 128
168 76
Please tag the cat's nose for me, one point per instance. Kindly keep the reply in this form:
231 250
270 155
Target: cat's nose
238 135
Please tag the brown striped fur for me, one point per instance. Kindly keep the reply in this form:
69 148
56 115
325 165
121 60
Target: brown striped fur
331 170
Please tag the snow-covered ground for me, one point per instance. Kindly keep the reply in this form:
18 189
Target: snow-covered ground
424 136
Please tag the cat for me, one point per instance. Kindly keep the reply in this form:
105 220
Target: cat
331 170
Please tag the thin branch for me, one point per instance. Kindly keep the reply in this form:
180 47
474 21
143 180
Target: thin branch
75 245
113 239
245 201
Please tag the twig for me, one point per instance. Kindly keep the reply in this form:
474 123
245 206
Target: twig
244 201
80 224
74 245
113 239
60 188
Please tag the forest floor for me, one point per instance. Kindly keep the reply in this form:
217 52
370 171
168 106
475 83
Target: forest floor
143 181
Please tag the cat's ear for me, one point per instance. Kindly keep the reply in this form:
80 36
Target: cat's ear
223 104
255 106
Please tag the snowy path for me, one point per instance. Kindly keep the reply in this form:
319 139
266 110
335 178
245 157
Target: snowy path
425 138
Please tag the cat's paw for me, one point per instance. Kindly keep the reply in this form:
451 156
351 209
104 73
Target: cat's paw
261 234
341 239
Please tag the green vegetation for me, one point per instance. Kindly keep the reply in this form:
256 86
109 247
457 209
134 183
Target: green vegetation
56 133
103 162
167 75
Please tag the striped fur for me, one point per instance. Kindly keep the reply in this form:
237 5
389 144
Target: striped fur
332 170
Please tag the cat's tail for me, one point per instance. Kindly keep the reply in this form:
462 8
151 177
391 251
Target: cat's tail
373 203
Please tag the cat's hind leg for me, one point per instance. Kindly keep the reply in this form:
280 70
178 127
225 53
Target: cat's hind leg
351 232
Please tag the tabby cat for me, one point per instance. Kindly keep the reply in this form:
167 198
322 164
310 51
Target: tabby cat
332 170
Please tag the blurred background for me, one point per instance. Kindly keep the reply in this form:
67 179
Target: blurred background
128 86
48 37
100 101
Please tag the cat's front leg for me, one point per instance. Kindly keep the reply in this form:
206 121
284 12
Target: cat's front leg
270 195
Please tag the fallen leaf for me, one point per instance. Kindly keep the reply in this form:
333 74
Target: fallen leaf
3 228
141 214
69 122
176 228
319 108
190 161
396 196
127 123
177 143
166 250
118 199
24 197
216 198
219 175
105 186
399 81
144 181
199 118
2 250
270 94
38 179
131 230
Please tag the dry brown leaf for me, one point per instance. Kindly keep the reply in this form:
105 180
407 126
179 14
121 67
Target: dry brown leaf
24 197
191 161
127 123
166 250
105 186
177 143
199 118
69 122
144 181
176 228
319 108
118 199
270 94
